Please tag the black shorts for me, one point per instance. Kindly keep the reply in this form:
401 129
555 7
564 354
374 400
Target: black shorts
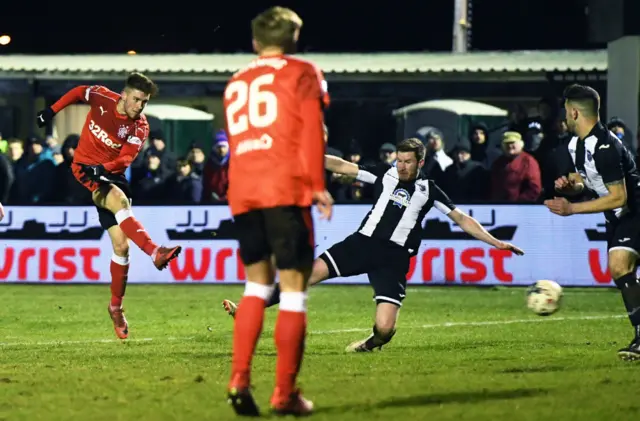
624 234
285 232
386 264
106 218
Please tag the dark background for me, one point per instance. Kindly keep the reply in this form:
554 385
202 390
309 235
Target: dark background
329 26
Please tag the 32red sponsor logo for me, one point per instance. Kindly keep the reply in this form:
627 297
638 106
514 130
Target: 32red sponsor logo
102 136
63 264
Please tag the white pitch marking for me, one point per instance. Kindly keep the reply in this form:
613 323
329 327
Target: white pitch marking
485 323
321 332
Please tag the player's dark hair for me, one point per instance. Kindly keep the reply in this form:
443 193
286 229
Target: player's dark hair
275 27
412 145
585 97
142 83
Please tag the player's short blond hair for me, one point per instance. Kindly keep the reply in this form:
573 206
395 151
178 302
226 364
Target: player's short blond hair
275 27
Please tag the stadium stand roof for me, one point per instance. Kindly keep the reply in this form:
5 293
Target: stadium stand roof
456 106
92 65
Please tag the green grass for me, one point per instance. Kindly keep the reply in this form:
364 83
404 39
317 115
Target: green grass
60 360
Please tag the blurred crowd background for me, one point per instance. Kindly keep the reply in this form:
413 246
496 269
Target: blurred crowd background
512 160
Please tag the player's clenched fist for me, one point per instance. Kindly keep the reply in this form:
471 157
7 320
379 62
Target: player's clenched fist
1 212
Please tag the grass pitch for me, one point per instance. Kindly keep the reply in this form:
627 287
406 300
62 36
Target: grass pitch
459 354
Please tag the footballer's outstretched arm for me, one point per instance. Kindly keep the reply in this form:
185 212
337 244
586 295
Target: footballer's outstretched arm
340 166
468 224
472 227
77 94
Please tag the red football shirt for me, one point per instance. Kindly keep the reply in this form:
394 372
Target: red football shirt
274 120
108 137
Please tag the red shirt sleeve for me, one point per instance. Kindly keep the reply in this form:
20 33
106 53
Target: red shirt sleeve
77 94
312 98
83 93
130 149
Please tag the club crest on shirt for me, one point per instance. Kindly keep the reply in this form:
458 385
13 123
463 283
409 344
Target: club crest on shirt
400 198
122 132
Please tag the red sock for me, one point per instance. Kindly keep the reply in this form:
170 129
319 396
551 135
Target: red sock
119 273
133 229
291 329
246 332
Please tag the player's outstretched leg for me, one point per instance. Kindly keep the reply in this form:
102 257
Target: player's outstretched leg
320 273
113 199
246 332
119 269
622 267
383 329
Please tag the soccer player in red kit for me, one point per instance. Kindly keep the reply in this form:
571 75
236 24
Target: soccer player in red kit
111 138
274 121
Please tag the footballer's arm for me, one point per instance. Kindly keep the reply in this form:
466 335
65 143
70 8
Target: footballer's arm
340 166
616 198
123 161
608 164
75 95
472 227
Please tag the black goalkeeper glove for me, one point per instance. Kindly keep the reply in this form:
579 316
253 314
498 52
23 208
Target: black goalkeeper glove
44 117
93 173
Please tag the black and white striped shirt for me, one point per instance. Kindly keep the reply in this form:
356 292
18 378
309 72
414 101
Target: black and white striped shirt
400 206
601 158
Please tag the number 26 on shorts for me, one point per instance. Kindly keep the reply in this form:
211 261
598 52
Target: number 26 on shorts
262 104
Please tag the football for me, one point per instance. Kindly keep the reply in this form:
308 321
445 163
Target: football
544 297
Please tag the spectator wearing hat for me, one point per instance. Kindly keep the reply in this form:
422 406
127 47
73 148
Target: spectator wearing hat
481 151
34 173
466 179
436 160
515 176
197 158
387 153
159 147
620 129
215 175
